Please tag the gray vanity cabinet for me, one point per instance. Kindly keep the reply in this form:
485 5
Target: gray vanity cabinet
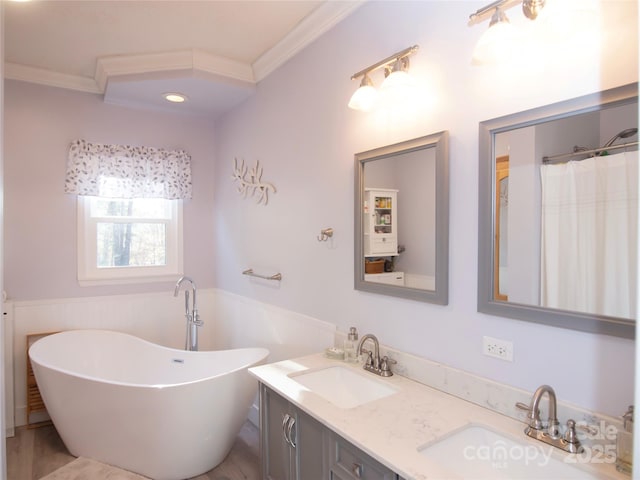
294 446
291 442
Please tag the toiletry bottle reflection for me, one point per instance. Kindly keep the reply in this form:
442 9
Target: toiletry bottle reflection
624 443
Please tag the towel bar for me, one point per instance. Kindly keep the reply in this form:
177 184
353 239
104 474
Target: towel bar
276 276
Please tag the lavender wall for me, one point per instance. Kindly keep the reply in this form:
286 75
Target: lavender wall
299 127
40 220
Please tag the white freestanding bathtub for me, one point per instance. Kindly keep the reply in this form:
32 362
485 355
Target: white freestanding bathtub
164 413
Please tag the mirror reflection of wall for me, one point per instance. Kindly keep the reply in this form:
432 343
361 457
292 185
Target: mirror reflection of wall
413 175
540 259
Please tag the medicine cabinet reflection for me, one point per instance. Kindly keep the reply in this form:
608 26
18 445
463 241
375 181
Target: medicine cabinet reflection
558 218
402 219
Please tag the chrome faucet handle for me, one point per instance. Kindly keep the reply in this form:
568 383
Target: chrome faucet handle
534 419
369 359
588 429
552 429
196 319
385 370
570 437
527 408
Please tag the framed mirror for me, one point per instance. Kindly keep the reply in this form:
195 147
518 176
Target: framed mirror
402 219
558 214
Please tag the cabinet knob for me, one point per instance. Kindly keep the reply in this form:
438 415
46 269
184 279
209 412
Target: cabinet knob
356 469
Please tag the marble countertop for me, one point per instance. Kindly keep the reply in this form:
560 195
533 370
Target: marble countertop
393 429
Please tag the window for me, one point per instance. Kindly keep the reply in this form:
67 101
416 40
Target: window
129 211
128 240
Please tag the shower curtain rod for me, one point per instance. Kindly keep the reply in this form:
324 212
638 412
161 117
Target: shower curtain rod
555 158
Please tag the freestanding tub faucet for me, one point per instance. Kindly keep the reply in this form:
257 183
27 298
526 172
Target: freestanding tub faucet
193 319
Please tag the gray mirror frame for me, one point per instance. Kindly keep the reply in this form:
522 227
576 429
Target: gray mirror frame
440 296
488 129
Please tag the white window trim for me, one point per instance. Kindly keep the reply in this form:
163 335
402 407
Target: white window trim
90 275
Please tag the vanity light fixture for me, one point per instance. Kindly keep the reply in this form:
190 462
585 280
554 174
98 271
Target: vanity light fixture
499 41
174 97
396 79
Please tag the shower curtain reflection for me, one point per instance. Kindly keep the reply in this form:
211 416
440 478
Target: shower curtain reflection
589 235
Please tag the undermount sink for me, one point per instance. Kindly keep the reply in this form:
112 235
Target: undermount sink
481 453
343 387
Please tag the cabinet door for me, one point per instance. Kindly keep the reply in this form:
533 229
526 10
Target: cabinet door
274 449
380 223
291 442
311 459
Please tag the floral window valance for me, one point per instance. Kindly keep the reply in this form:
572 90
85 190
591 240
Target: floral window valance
119 171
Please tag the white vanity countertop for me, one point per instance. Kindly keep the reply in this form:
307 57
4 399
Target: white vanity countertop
394 428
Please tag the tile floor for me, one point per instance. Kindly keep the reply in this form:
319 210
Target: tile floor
34 453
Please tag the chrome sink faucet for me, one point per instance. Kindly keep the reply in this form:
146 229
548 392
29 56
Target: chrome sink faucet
549 433
193 319
373 363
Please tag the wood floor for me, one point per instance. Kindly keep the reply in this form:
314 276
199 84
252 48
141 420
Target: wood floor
34 453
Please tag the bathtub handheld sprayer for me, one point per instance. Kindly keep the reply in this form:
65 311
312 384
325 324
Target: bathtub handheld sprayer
191 314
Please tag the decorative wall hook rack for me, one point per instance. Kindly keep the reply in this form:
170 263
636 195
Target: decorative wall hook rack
325 234
275 276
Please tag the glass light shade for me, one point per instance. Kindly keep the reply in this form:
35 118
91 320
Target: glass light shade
496 45
567 21
364 99
397 79
398 89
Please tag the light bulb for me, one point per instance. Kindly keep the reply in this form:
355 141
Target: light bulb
175 97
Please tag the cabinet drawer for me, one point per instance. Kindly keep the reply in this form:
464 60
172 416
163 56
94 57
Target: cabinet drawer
390 278
350 463
384 244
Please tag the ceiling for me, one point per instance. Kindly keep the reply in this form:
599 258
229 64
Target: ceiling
131 52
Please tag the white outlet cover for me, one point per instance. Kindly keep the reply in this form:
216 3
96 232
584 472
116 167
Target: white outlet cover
497 348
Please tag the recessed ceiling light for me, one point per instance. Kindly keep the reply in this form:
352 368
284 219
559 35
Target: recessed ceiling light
175 97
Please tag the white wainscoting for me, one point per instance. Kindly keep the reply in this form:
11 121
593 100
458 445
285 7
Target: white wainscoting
230 321
9 410
243 322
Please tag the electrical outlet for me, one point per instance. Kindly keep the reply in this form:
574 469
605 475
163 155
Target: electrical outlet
494 347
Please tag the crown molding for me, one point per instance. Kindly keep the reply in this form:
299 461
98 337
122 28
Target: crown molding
197 61
309 29
25 73
178 61
222 66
